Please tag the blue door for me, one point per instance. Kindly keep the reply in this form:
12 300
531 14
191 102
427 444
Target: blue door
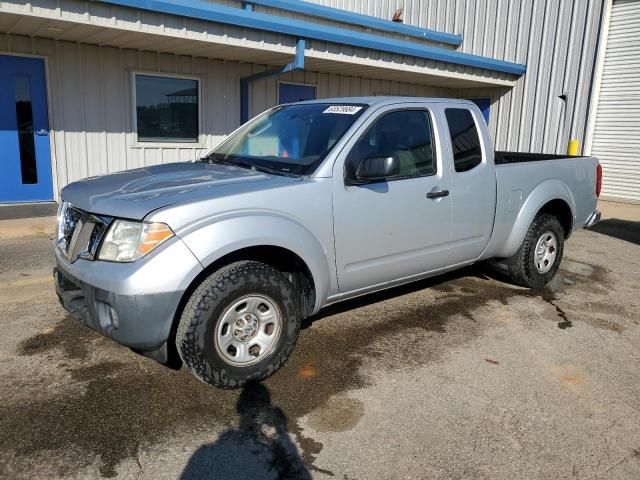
25 156
291 92
484 104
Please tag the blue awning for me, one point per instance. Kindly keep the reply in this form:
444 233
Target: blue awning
304 29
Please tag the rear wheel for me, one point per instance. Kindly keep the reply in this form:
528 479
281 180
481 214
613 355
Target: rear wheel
240 324
539 256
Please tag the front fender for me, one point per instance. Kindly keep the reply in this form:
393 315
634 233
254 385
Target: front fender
226 235
543 193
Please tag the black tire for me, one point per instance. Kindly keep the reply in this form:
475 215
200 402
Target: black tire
523 270
197 328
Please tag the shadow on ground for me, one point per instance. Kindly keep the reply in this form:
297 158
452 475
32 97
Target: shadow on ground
259 448
476 272
626 230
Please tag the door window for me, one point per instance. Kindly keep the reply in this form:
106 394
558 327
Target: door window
406 134
26 142
465 142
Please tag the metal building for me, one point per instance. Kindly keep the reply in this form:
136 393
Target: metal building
90 87
615 128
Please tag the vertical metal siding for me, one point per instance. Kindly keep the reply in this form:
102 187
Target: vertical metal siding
616 138
92 111
556 40
91 86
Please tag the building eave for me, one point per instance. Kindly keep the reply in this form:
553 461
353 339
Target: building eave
302 29
352 18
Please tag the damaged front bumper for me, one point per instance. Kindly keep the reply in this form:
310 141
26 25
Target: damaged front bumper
132 303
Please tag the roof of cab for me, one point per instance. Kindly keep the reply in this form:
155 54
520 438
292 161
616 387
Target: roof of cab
386 100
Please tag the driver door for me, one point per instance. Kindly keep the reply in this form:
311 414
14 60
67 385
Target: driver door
389 230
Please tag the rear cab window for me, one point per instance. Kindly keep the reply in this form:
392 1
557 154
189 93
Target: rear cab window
465 140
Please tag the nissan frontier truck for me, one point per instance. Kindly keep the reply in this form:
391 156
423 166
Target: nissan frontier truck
308 204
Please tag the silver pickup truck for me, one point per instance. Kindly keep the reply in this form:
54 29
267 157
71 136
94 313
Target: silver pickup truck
219 260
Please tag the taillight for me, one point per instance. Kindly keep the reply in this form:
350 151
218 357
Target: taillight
598 180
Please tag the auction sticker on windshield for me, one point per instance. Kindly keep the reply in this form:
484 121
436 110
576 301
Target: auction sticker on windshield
343 109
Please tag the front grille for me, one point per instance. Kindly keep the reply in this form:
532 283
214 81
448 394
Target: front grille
80 233
69 217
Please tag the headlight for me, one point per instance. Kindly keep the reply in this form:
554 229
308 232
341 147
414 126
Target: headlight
127 241
62 209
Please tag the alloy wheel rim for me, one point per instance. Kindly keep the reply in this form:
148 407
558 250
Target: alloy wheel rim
248 330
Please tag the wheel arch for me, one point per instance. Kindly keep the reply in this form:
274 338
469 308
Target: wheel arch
553 197
562 211
281 258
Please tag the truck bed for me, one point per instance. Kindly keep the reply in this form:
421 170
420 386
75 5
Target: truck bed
518 175
503 158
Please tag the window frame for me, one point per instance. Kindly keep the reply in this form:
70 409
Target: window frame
200 142
431 116
483 153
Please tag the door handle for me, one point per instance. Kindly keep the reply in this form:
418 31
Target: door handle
42 132
438 194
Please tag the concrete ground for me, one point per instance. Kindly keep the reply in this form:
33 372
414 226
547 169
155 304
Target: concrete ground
463 376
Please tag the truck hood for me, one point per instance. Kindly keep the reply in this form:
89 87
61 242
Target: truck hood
135 193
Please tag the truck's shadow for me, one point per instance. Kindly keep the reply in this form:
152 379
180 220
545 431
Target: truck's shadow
626 230
259 448
480 271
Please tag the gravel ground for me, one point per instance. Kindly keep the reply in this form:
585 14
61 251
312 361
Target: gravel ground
463 376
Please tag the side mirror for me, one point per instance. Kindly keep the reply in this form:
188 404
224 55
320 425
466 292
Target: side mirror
376 168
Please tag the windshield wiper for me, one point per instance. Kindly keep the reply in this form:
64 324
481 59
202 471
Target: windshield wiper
274 171
219 158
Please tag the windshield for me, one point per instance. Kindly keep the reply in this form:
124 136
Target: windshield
291 139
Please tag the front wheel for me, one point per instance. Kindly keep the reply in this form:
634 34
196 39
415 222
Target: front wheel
539 256
240 324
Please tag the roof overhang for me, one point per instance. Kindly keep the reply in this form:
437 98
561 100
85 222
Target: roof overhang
352 18
117 26
314 31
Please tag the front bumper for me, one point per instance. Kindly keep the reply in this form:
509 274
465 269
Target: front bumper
593 219
131 303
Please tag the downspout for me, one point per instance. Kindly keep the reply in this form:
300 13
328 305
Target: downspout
596 77
297 64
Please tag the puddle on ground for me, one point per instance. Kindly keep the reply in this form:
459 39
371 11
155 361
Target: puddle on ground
62 336
114 406
591 279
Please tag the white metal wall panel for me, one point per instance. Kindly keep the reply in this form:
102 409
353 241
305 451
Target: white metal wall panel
90 96
91 88
616 138
92 111
556 40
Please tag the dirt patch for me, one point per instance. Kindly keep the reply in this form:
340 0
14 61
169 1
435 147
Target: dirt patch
604 324
338 414
569 377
